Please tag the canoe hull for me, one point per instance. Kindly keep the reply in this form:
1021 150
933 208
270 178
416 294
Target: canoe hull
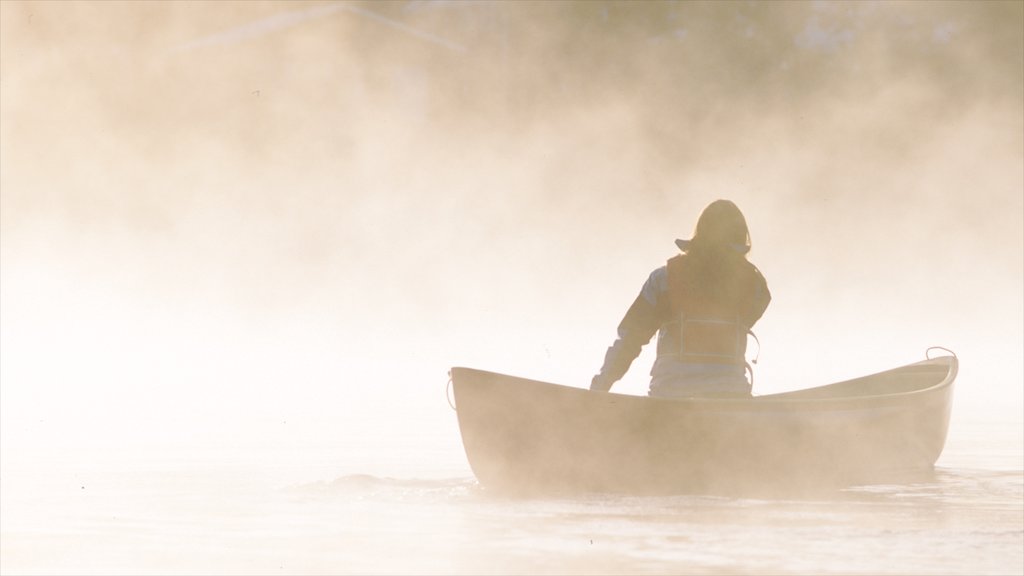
527 436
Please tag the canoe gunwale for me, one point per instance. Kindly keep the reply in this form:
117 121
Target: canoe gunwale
789 400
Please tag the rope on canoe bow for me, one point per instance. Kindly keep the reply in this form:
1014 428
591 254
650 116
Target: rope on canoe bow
447 393
928 355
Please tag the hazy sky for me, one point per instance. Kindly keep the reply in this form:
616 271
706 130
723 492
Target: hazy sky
239 214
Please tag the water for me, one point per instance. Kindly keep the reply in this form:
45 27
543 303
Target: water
241 232
333 510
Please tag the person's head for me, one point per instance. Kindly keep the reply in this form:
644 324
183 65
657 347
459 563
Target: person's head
720 227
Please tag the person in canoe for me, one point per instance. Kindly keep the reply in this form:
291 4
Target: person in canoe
702 303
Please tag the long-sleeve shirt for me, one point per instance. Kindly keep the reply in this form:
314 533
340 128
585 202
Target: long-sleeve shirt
652 312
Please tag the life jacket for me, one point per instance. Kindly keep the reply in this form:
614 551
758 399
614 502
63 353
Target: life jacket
708 328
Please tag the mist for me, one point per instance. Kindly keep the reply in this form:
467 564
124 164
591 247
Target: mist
278 224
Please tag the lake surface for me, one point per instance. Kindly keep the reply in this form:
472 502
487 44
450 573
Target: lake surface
333 510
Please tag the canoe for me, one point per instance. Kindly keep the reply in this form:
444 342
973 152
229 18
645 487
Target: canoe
526 436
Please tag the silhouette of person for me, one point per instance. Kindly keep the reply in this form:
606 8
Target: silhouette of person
702 303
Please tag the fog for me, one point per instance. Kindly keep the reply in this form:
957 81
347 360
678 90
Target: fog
278 224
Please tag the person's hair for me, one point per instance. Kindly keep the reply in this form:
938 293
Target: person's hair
720 242
721 227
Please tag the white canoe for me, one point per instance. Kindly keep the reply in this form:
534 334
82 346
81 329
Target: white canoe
527 436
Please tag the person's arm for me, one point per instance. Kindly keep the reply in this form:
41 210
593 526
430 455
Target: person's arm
639 324
760 298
